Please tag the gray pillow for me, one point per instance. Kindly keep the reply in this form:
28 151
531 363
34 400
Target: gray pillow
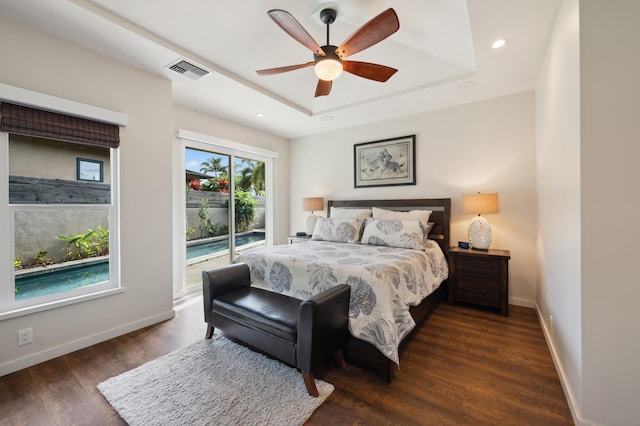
394 233
338 230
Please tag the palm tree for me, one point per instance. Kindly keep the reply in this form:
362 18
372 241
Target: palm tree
213 165
257 177
243 174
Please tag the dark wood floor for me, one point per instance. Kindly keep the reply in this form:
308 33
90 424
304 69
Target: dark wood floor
463 366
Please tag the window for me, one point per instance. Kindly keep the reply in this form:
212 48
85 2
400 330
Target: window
90 170
59 202
60 227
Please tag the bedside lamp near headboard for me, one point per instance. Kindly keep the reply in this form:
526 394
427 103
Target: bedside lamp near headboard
312 204
479 231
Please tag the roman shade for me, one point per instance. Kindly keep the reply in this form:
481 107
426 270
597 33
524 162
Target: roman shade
28 121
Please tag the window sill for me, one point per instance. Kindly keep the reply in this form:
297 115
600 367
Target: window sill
13 313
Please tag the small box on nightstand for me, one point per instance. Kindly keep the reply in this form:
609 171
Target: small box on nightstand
293 239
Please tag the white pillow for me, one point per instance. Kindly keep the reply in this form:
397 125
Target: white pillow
383 214
343 213
394 233
338 230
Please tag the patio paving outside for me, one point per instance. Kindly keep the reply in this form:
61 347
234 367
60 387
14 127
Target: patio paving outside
221 258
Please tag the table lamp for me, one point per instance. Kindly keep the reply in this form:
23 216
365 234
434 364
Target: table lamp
312 204
479 231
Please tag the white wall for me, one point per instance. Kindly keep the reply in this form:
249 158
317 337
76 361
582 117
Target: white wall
486 146
588 104
610 149
558 184
41 63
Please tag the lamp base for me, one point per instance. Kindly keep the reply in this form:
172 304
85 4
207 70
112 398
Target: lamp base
479 233
310 224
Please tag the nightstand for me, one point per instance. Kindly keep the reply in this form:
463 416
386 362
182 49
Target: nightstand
294 239
480 277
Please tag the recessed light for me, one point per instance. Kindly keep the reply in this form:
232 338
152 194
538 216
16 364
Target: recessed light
259 114
499 43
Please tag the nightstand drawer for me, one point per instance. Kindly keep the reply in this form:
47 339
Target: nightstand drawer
479 268
474 291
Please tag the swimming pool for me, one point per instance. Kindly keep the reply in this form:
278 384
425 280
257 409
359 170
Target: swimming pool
56 280
216 244
62 279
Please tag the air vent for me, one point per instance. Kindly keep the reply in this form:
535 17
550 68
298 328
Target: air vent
188 70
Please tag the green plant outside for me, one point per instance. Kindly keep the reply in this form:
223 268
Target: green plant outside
206 226
41 258
92 243
216 184
89 244
190 232
245 211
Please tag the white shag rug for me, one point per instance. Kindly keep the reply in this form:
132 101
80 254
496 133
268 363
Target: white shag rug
213 382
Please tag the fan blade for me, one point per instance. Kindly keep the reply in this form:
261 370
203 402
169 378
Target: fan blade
323 88
292 27
279 70
368 70
374 31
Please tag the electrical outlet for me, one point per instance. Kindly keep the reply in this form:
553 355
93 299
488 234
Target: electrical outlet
25 336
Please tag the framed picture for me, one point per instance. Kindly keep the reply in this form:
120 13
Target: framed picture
89 170
386 162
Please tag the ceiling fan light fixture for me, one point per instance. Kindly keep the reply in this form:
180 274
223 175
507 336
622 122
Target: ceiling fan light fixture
328 63
328 69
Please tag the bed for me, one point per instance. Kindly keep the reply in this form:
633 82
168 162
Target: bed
396 272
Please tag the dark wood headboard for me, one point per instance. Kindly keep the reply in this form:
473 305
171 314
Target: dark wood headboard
440 207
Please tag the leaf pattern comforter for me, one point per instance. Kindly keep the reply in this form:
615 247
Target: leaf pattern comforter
384 282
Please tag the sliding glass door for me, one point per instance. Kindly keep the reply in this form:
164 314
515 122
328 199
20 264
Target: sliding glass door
249 203
207 213
225 207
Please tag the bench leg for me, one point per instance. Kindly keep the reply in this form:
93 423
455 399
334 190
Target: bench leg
339 357
210 330
310 383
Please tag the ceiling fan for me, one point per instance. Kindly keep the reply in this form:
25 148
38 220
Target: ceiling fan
329 60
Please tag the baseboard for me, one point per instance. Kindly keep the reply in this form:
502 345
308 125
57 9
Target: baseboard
522 302
46 355
573 406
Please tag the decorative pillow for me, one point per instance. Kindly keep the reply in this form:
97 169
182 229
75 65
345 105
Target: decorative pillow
394 233
343 213
383 214
338 230
426 228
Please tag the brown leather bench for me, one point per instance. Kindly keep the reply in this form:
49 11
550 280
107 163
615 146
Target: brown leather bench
301 333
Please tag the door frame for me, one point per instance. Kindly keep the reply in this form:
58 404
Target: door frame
188 139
